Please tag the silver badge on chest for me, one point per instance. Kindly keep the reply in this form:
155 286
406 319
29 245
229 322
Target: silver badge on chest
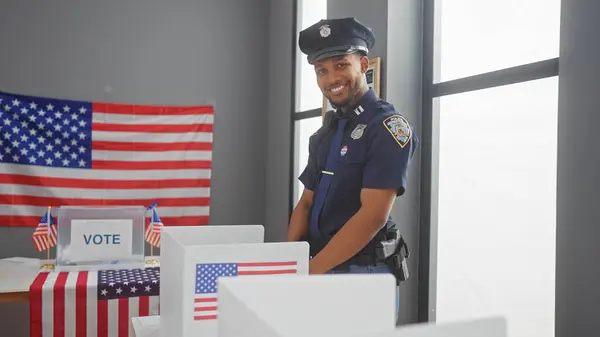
358 131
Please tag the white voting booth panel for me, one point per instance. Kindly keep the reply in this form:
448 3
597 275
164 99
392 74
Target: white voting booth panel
482 327
175 241
215 234
190 268
331 305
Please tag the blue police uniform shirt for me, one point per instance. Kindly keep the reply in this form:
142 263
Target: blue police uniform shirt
377 145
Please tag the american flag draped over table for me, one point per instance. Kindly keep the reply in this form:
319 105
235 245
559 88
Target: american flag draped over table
62 152
92 303
205 300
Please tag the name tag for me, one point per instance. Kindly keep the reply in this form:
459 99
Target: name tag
93 240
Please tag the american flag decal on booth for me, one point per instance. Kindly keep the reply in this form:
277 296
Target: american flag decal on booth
56 152
205 299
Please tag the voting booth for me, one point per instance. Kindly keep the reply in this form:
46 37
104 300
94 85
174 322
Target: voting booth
100 237
193 260
323 305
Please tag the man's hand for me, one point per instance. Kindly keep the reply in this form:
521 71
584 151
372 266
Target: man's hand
299 221
357 232
313 269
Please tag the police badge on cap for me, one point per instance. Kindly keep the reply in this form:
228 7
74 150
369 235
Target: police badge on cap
324 30
335 37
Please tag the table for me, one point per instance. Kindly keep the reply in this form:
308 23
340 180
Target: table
90 315
17 275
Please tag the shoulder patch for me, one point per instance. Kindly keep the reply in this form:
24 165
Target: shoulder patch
399 128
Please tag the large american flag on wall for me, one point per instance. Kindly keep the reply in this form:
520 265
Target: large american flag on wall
56 152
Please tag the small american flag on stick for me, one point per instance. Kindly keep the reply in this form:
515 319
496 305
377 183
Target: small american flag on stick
44 236
205 299
153 231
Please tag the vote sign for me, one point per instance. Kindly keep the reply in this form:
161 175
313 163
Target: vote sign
109 239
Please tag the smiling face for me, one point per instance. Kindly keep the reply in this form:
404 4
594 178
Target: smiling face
342 79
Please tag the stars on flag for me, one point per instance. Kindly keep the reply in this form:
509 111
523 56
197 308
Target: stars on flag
34 133
128 283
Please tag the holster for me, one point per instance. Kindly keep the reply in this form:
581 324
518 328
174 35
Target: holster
394 252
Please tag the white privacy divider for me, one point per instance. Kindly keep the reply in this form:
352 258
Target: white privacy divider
328 305
215 234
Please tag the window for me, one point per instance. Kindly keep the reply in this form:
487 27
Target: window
308 94
490 175
304 128
497 205
308 99
481 36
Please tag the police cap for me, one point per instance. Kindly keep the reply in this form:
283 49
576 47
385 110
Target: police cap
335 37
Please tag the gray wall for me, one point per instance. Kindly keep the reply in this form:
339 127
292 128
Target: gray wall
181 52
403 78
398 27
233 53
578 218
279 119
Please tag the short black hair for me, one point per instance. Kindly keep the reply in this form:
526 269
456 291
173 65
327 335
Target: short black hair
360 54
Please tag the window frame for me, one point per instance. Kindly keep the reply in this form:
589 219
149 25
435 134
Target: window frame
296 115
429 185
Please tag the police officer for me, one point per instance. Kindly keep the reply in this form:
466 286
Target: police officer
358 159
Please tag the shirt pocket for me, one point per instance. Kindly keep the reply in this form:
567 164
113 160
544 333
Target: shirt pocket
351 163
356 154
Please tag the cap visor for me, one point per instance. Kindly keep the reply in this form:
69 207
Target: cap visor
332 53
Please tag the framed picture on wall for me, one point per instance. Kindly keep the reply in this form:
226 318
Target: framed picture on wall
373 80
